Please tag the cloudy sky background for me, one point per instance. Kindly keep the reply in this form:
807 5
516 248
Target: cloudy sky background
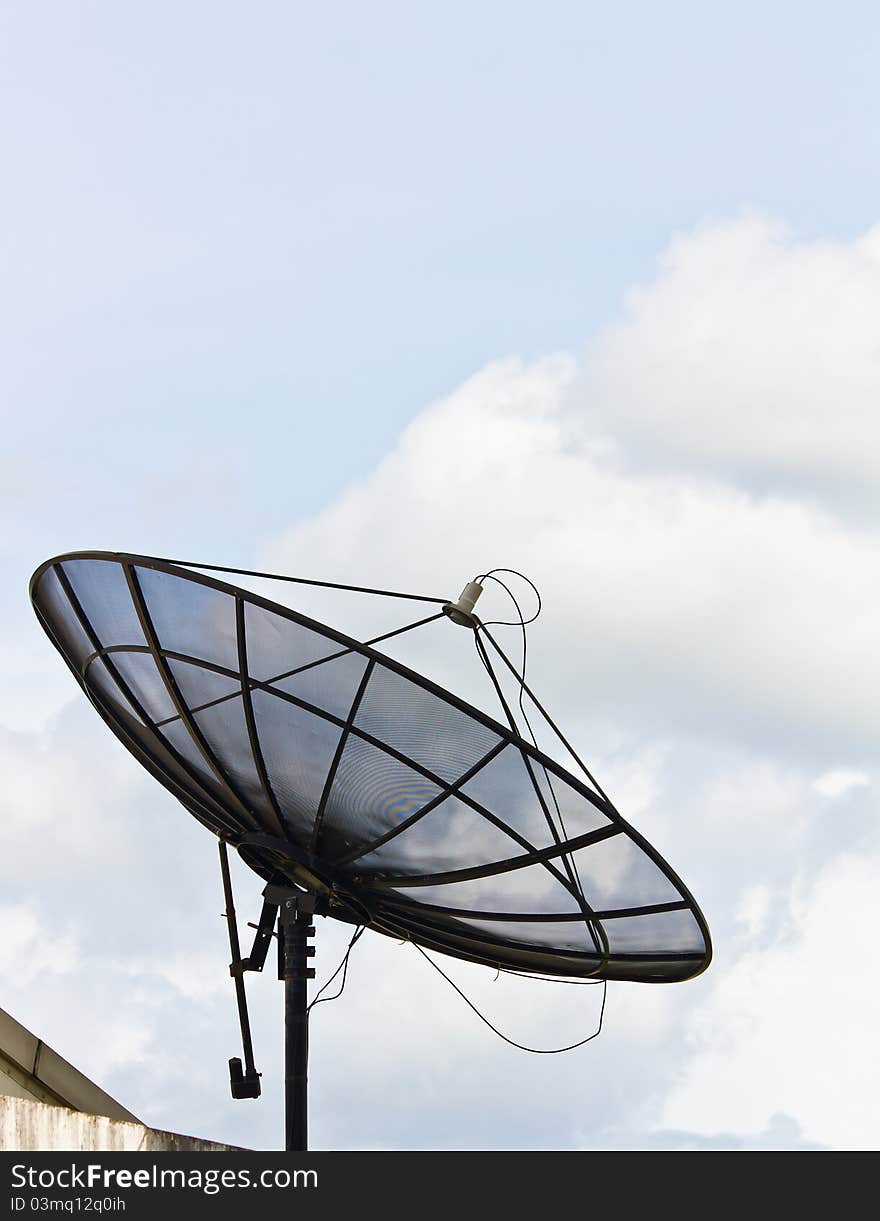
393 294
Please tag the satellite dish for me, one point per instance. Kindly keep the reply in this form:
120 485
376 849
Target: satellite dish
358 789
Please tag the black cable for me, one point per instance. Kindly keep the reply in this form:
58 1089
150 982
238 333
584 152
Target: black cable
553 979
537 1051
521 623
514 572
275 576
343 967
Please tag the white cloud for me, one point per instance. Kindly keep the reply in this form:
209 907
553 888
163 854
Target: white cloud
782 1132
55 795
792 1027
671 602
841 780
192 973
751 351
754 910
30 947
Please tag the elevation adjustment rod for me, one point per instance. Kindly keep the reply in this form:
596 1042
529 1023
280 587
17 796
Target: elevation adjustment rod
244 1081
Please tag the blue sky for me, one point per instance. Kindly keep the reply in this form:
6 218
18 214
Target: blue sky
306 225
243 254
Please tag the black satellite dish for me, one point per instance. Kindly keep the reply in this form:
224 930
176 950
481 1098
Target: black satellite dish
359 789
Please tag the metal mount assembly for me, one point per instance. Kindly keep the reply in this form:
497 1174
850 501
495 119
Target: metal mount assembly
293 910
461 612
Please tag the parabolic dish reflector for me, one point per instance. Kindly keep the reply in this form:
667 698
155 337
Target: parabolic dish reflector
333 766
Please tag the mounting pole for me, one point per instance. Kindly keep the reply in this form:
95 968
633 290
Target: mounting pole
295 927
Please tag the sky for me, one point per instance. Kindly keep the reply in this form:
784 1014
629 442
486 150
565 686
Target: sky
393 294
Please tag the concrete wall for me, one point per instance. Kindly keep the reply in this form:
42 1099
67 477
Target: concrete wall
25 1125
12 1084
47 1104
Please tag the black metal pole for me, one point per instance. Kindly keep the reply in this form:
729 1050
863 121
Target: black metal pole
296 928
